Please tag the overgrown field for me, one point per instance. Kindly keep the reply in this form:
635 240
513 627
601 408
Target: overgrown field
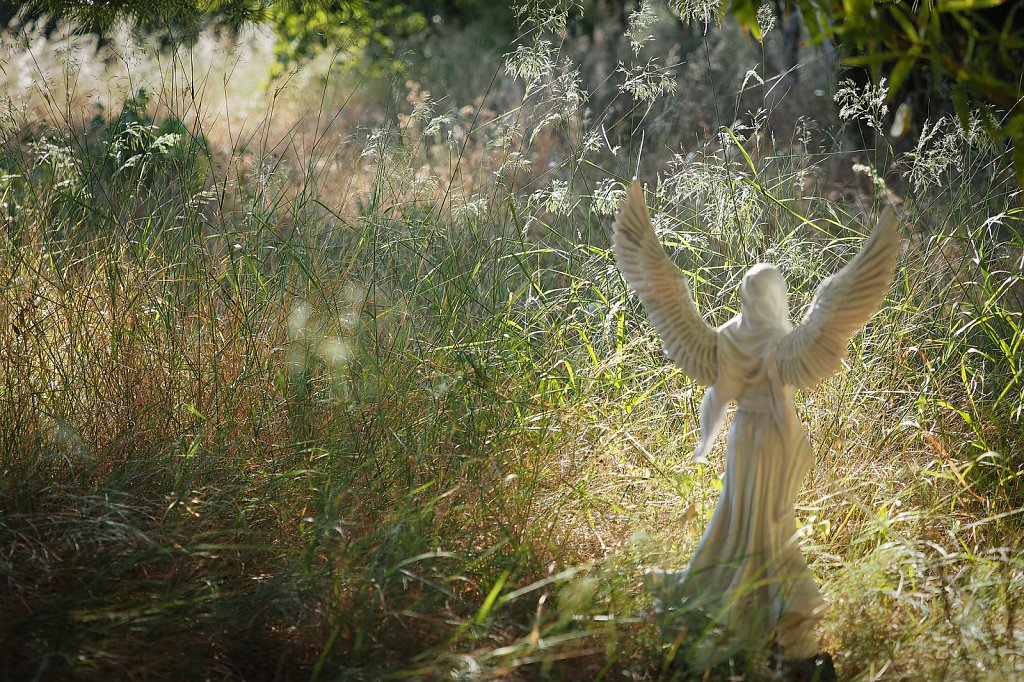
333 376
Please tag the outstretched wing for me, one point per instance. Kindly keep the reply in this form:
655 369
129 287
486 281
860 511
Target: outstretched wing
843 303
689 341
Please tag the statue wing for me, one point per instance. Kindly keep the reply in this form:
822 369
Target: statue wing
689 341
842 304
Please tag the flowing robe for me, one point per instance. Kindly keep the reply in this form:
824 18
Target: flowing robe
748 572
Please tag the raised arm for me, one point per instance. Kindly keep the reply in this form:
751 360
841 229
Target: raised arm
689 341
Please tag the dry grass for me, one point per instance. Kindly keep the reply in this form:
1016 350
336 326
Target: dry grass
339 379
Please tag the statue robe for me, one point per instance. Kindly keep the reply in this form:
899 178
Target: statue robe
748 572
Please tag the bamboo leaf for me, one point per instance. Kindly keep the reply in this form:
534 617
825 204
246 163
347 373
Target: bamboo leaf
967 5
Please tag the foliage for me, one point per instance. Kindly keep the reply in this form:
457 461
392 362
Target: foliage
176 20
972 49
351 28
304 27
371 31
355 393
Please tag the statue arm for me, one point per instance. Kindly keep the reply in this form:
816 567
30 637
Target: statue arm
712 414
689 341
842 304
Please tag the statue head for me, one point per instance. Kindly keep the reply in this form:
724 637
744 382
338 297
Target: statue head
763 295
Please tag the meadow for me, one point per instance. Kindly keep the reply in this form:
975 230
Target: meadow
327 372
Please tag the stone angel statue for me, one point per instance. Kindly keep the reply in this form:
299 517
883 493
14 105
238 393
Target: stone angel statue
748 573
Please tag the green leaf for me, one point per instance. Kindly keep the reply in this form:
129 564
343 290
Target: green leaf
962 5
963 113
816 20
900 17
902 69
745 12
873 59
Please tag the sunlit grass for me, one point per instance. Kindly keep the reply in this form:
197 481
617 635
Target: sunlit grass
329 390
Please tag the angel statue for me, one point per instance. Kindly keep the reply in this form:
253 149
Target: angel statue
748 575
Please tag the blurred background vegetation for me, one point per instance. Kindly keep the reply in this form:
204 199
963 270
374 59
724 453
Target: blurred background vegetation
315 362
961 55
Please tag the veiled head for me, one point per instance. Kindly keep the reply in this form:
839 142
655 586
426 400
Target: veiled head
763 295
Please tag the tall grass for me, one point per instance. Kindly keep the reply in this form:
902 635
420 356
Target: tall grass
334 378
